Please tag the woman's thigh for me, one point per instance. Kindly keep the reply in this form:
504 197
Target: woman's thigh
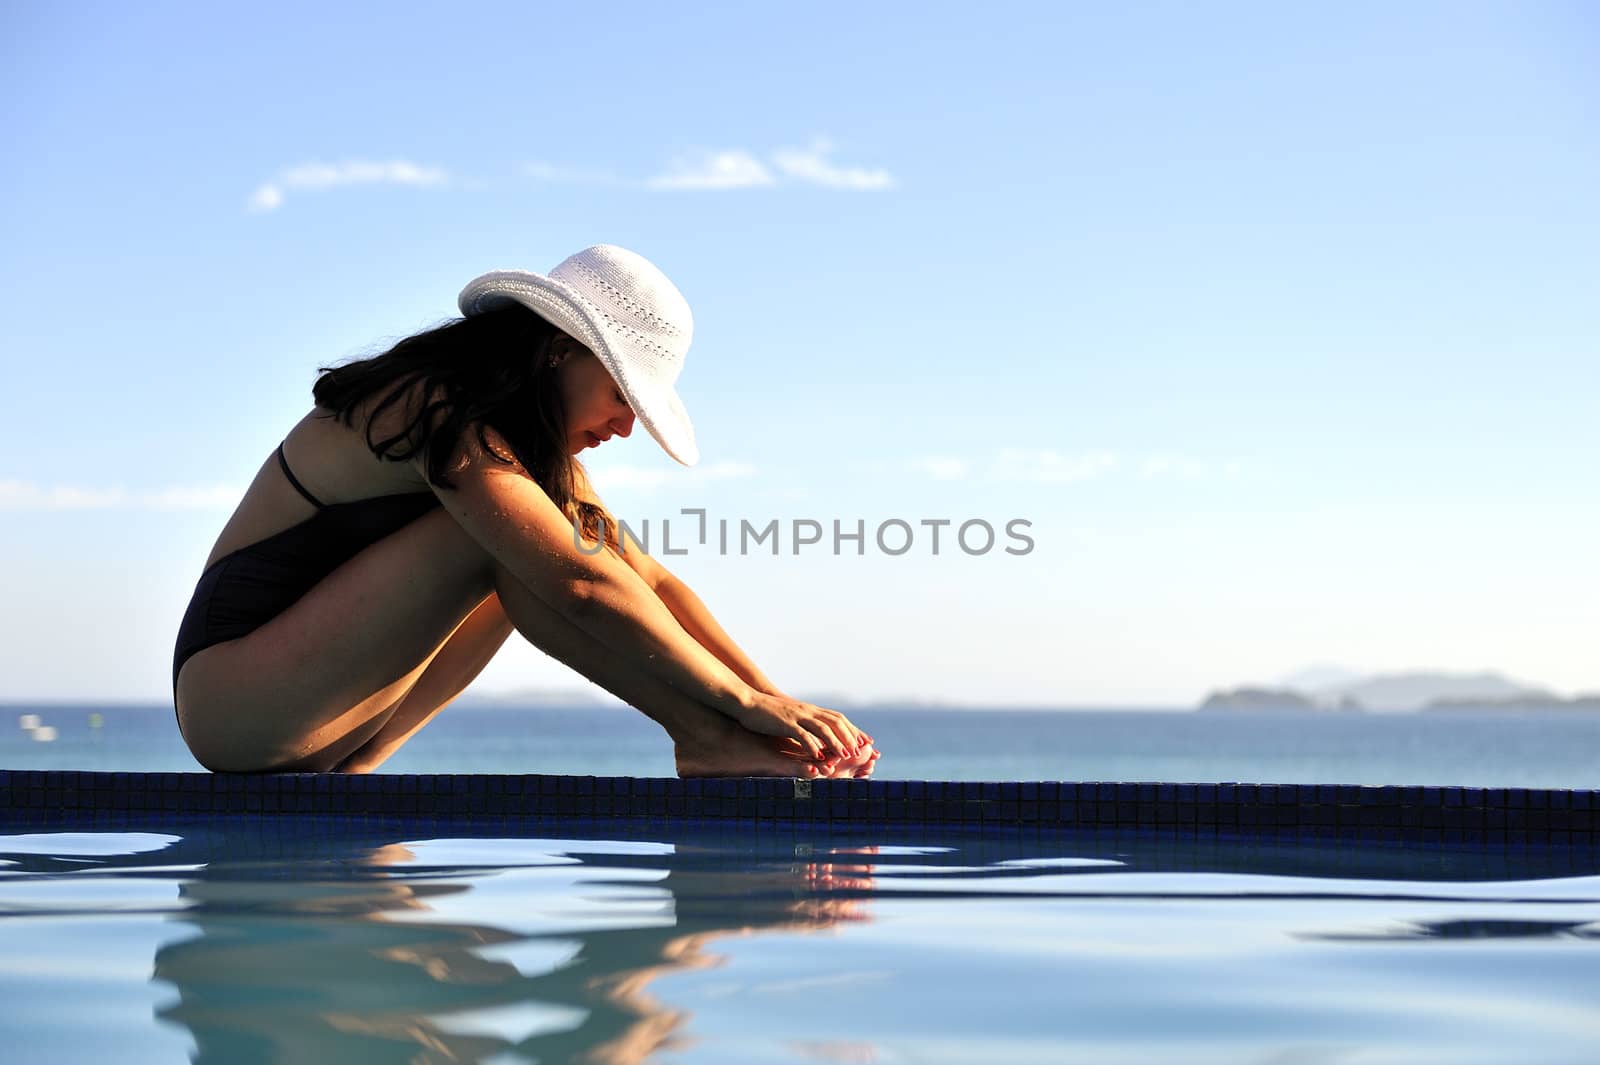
456 664
320 679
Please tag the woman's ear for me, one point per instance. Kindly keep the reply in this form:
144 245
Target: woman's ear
560 348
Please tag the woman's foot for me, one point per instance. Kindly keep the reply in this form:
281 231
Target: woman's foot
858 765
731 750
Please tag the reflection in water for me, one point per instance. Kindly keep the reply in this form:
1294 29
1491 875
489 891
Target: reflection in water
332 942
1469 928
318 968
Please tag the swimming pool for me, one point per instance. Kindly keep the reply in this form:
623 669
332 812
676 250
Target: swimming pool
167 935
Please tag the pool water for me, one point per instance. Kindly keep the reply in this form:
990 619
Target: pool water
304 940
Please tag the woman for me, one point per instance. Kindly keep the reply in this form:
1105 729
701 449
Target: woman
431 502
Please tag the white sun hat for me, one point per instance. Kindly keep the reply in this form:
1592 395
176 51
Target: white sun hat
620 306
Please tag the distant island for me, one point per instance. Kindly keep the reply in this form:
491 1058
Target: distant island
1327 689
1273 699
1554 702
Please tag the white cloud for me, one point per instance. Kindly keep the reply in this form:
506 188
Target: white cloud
27 496
715 170
397 172
730 168
266 198
316 177
733 168
812 165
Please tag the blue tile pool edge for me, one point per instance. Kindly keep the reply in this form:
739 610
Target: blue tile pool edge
1398 813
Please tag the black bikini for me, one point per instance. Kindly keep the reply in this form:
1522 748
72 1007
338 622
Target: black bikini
245 589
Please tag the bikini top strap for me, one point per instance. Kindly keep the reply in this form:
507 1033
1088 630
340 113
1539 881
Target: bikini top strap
298 487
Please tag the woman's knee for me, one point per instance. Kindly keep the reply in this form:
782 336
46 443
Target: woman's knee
431 555
523 606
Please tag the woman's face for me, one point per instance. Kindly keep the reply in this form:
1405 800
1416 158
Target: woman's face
595 407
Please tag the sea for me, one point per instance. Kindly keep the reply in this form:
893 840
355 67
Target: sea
1477 748
223 941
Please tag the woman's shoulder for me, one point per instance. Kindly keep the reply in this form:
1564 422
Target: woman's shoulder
334 458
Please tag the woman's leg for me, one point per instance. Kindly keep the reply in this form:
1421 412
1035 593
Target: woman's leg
470 648
706 743
314 686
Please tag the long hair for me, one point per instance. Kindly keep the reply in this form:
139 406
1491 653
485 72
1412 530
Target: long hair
491 369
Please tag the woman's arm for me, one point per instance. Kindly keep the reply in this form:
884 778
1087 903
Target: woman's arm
690 611
695 617
697 621
504 510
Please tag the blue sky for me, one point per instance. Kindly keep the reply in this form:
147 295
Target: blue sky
1279 324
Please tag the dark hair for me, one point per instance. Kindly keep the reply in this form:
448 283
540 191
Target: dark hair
491 369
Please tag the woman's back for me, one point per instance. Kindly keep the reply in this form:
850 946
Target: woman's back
332 462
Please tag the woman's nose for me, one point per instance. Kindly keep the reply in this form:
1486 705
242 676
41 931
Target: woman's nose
624 425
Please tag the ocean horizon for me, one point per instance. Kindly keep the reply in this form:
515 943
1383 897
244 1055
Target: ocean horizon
1484 748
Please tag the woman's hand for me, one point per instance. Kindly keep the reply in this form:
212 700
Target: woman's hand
823 733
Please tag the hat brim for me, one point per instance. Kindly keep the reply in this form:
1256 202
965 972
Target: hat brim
655 402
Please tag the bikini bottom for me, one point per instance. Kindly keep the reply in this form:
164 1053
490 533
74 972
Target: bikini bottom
247 588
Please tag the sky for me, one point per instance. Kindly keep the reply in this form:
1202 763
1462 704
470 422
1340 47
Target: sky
1276 324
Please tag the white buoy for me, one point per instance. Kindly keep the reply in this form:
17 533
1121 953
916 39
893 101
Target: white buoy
28 722
44 733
